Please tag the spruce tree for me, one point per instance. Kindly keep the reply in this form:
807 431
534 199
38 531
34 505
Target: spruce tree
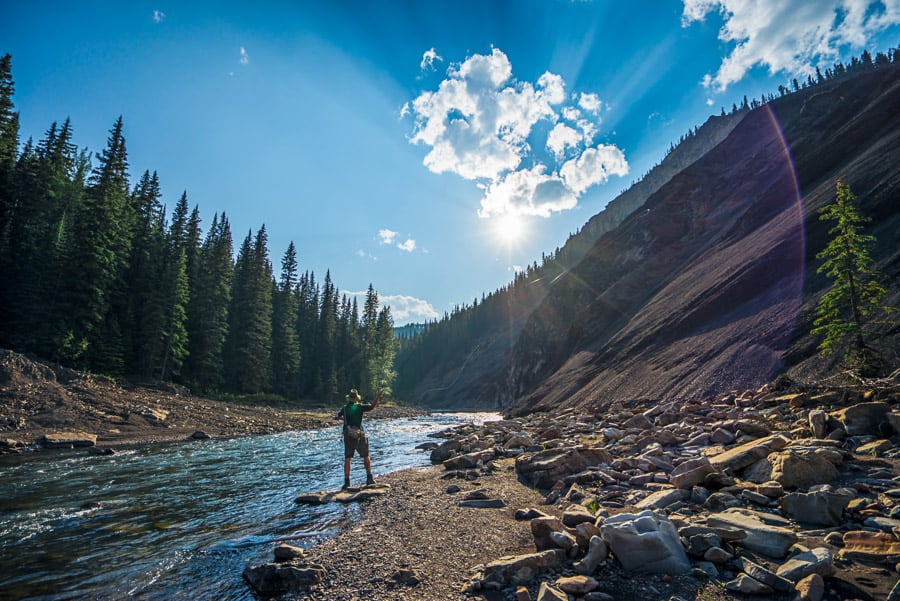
99 251
9 144
843 311
285 348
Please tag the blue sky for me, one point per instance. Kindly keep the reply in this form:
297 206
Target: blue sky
430 148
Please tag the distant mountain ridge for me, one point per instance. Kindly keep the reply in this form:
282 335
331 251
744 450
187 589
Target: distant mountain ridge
710 286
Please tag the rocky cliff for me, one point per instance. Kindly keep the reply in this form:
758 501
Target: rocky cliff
711 285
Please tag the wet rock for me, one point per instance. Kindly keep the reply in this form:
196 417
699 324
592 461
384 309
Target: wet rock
350 495
811 588
596 554
797 467
289 553
199 435
645 543
819 508
443 452
875 547
101 451
815 561
577 585
766 534
67 440
748 453
280 578
546 467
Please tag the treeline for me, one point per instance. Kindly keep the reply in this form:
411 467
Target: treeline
96 277
451 339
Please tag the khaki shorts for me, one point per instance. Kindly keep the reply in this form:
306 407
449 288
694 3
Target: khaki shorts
355 444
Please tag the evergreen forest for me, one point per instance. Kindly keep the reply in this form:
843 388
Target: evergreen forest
98 275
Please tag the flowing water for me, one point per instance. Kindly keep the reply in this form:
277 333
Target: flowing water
180 520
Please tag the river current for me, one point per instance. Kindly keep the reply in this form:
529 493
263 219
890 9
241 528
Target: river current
180 520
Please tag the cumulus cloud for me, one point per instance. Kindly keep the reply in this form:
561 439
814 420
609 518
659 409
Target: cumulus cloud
408 309
387 236
409 245
245 58
789 36
428 59
482 125
158 16
404 309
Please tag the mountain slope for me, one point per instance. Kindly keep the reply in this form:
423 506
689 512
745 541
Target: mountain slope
711 285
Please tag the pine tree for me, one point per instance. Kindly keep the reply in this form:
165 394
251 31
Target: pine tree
307 325
9 145
211 297
285 348
856 292
95 263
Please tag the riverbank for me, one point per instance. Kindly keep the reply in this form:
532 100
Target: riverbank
769 494
45 406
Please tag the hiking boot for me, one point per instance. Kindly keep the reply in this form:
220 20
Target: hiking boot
369 479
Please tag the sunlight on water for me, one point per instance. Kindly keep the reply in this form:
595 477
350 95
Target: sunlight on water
180 520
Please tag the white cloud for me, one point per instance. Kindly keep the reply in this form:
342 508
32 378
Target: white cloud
709 102
408 246
245 58
387 236
562 137
428 59
480 124
789 36
594 166
404 309
589 102
158 16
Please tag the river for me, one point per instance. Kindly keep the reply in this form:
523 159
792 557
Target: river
180 520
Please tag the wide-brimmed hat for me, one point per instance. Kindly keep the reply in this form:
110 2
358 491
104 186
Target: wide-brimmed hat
353 395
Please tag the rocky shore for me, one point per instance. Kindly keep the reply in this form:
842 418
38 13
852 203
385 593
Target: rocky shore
769 494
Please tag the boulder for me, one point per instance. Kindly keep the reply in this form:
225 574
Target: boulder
548 592
469 460
663 498
873 547
818 423
743 455
597 552
767 577
863 418
690 473
584 532
67 440
577 514
444 450
811 588
518 569
541 528
797 467
577 585
289 553
544 468
815 561
281 578
646 543
748 586
820 508
766 534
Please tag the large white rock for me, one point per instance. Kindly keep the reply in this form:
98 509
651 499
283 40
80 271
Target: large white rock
646 543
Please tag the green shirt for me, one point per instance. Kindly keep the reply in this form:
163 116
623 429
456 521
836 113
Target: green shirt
353 414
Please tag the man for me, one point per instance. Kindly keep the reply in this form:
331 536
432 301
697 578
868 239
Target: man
355 439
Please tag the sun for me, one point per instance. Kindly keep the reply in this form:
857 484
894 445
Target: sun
509 227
